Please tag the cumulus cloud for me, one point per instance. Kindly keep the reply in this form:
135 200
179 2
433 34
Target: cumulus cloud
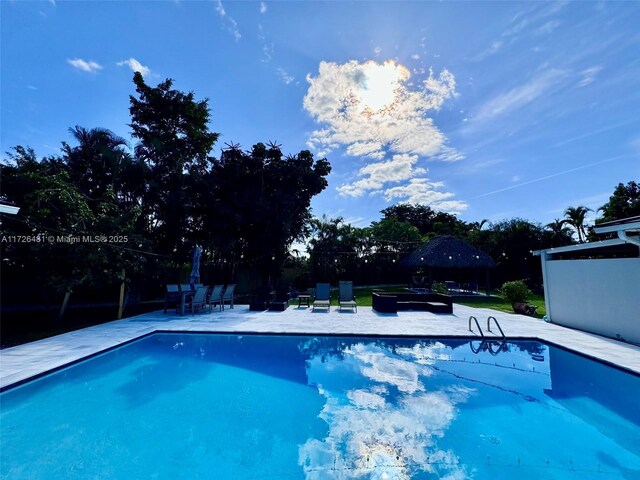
135 66
90 66
372 111
231 24
400 167
424 192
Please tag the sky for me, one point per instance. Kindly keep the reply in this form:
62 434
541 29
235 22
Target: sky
489 110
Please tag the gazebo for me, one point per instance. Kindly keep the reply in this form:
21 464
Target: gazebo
448 255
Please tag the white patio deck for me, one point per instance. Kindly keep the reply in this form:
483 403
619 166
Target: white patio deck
25 361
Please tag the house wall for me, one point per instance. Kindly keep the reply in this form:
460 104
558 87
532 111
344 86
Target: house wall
597 295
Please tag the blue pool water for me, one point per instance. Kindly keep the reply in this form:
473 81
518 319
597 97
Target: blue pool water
222 407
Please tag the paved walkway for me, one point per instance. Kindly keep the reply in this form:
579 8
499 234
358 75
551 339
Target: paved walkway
25 361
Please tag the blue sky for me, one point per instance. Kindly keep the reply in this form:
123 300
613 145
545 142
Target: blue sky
489 110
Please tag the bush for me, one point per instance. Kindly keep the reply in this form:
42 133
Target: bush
515 292
438 287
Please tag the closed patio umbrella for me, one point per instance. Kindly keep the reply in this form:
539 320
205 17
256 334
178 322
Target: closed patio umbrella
195 265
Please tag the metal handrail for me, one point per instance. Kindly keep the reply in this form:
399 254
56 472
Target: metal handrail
477 324
497 324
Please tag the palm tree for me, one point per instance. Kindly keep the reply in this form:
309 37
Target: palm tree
97 161
575 218
560 233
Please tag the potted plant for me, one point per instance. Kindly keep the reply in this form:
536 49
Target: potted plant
517 293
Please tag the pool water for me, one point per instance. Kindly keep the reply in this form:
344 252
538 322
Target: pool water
220 407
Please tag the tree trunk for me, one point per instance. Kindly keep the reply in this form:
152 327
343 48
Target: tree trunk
121 302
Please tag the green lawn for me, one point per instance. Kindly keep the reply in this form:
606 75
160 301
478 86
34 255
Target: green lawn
495 302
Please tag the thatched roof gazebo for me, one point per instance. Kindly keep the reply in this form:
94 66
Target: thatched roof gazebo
447 253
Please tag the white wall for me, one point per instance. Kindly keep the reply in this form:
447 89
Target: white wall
599 296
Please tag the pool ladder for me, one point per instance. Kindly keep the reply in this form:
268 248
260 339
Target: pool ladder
502 335
488 344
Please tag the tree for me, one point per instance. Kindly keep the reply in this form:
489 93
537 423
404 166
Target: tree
429 223
54 206
575 218
559 232
334 247
174 142
624 203
260 204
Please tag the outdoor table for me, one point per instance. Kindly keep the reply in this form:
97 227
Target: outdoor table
304 298
183 299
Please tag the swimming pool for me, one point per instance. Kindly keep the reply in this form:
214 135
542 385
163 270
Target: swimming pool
295 407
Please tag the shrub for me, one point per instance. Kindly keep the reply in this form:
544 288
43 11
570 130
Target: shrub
439 287
515 292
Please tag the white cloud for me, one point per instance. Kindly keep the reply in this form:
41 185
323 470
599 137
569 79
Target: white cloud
423 192
372 111
232 25
400 167
492 50
415 56
589 75
135 66
32 87
267 47
90 66
547 28
263 7
519 97
284 76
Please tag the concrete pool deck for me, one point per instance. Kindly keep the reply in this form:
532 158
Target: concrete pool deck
22 362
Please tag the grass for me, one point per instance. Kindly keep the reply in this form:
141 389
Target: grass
495 302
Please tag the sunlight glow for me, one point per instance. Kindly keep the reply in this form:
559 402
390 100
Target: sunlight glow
379 84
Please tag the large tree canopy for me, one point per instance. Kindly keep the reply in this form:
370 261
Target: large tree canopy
624 203
261 203
174 142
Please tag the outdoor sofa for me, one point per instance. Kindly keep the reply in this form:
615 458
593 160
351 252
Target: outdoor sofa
392 302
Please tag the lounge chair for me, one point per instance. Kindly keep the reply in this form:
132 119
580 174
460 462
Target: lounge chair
199 300
323 296
172 296
346 298
227 296
215 297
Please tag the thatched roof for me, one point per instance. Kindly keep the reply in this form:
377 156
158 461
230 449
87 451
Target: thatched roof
448 252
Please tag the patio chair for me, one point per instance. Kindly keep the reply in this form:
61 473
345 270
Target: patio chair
199 300
346 298
215 297
186 287
172 295
323 296
227 296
